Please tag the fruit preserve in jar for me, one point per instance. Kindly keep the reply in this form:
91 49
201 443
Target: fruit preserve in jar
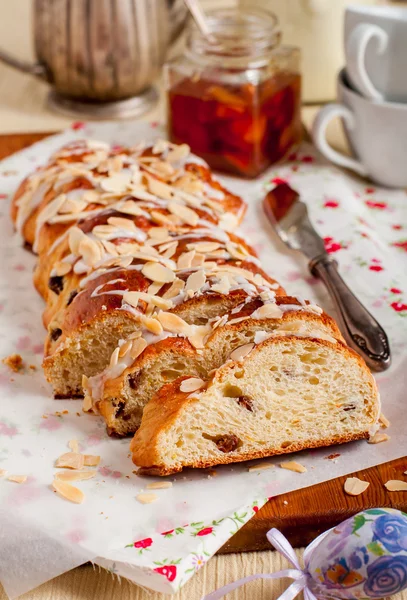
236 99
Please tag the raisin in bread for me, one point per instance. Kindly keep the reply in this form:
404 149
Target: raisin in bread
144 363
287 394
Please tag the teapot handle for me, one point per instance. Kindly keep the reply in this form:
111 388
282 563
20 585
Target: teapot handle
34 68
317 7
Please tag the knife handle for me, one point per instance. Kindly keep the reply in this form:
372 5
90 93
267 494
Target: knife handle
360 329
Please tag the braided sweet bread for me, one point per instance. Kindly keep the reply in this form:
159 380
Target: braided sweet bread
120 234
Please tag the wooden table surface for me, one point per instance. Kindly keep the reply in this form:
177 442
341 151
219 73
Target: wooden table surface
300 515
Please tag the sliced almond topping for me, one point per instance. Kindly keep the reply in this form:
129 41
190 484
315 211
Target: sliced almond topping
87 404
187 215
137 348
158 233
130 208
222 286
241 352
72 206
91 196
378 438
267 311
152 324
195 281
122 223
237 251
173 323
384 421
291 465
160 189
160 218
159 485
175 289
117 183
157 272
17 478
114 359
261 467
354 486
74 475
70 460
185 260
133 298
146 498
90 251
69 492
170 251
62 268
91 460
204 247
178 153
3 472
73 445
154 288
198 260
396 485
125 348
75 237
198 335
192 384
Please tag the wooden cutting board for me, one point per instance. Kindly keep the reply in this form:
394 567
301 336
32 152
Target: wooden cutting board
300 515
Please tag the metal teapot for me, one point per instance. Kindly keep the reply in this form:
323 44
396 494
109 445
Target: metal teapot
101 56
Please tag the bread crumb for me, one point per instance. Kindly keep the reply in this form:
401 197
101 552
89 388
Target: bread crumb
285 502
159 485
45 416
68 491
17 478
33 367
396 485
354 486
65 412
378 437
3 472
291 465
332 456
261 467
384 421
146 498
14 362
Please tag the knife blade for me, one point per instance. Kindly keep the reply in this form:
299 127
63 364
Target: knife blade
289 217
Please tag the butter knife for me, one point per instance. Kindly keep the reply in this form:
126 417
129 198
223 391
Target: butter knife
289 217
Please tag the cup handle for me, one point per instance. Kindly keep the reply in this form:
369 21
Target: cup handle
36 69
355 49
319 127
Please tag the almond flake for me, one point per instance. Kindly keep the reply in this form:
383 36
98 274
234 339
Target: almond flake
122 223
114 359
170 251
178 153
241 352
138 347
198 260
157 272
72 206
237 251
152 324
160 146
130 208
384 421
378 438
73 445
91 460
187 215
91 196
154 288
204 247
146 498
267 311
198 335
125 348
237 320
90 251
3 472
396 485
158 233
133 298
191 385
291 465
69 492
17 478
261 467
74 475
195 281
75 237
222 287
117 183
160 218
354 486
87 404
62 268
173 323
185 259
175 289
70 460
160 189
159 485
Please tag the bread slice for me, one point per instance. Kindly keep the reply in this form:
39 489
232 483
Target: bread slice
286 395
121 397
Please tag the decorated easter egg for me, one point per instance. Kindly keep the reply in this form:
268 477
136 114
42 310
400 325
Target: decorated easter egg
363 557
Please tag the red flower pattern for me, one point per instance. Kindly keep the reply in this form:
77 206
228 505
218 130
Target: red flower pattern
331 246
375 204
331 204
398 306
278 180
169 571
146 543
376 268
402 245
77 125
395 290
205 531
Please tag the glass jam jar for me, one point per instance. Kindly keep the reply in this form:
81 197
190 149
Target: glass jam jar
236 100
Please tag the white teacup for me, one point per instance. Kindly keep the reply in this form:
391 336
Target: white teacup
376 131
376 51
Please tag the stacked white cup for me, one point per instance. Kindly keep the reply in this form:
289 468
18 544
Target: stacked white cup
372 96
